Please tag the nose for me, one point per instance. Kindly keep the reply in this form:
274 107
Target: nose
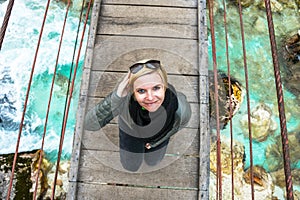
149 95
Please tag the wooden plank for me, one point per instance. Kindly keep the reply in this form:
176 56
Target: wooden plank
116 53
102 83
105 167
76 150
107 139
193 123
148 21
151 15
173 3
204 150
88 191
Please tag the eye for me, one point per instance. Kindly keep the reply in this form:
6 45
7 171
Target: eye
141 91
158 87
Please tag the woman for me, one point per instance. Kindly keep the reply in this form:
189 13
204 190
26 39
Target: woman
150 111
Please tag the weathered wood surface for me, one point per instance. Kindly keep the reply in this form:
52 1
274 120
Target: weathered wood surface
204 142
173 3
76 151
107 139
178 56
126 32
173 171
97 191
135 20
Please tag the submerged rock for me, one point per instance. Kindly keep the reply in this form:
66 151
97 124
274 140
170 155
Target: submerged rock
260 177
291 61
224 100
279 177
274 153
275 6
262 124
244 3
263 185
238 159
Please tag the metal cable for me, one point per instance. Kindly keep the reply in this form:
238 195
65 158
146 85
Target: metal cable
280 100
216 95
5 21
26 102
248 98
230 99
69 101
49 102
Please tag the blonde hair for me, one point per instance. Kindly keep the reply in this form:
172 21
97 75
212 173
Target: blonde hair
144 71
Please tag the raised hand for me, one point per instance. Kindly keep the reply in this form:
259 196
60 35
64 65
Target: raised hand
123 87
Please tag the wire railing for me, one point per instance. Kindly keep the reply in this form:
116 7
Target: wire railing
219 189
280 99
68 95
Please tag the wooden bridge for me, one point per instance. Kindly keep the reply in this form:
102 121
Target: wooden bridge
121 33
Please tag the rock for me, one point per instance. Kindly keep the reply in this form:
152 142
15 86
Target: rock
260 25
238 152
264 191
24 182
260 177
263 184
46 178
262 124
279 177
291 47
21 183
224 99
46 166
238 160
275 155
291 61
245 3
275 6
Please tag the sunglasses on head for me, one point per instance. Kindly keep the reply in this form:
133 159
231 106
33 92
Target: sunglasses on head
151 64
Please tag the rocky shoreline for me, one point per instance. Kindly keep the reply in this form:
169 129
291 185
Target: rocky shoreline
26 169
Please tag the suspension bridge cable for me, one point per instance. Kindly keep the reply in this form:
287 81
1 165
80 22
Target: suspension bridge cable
69 99
230 99
216 95
248 98
49 101
5 21
26 102
280 100
71 70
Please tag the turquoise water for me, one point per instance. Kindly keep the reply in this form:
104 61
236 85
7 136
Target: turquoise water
17 54
16 60
260 68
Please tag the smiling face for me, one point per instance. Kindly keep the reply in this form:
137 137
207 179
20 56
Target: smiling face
149 91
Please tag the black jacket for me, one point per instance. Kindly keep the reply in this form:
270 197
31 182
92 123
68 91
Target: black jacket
112 105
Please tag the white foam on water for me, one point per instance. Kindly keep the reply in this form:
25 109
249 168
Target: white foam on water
16 61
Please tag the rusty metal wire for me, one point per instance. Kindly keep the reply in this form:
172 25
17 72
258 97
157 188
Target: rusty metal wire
26 102
230 99
69 101
5 21
280 100
248 98
49 101
213 41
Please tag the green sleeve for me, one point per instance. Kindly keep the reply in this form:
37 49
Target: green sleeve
103 112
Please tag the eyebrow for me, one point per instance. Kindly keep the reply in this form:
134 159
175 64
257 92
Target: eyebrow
159 84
